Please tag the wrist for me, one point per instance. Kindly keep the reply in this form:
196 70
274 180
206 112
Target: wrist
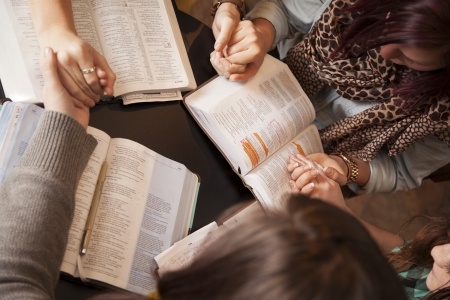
356 170
233 6
342 165
350 165
52 37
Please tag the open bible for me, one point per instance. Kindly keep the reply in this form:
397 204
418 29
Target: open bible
184 252
257 125
146 204
140 40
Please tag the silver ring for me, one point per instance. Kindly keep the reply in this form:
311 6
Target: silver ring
88 71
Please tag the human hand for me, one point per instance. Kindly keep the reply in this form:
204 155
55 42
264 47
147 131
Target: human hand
334 169
225 21
56 97
75 55
246 47
308 178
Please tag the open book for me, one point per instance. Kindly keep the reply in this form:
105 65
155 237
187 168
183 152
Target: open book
183 252
257 125
146 204
141 41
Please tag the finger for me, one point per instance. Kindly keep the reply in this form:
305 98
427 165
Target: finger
249 72
49 71
305 178
225 66
332 173
74 89
226 30
220 64
78 103
294 188
236 68
297 172
307 189
292 166
88 82
74 70
304 160
104 72
90 77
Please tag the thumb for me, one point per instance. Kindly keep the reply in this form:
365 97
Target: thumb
332 173
226 30
49 69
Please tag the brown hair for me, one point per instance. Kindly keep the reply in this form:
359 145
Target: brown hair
417 251
311 250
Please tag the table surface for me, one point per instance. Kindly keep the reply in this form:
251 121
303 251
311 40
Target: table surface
169 129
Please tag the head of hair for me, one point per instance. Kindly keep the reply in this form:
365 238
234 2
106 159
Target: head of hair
311 250
417 251
417 23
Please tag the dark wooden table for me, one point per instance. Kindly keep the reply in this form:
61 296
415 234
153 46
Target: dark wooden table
168 129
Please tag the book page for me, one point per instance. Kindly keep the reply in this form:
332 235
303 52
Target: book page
83 198
140 46
182 253
270 180
23 120
250 121
136 216
143 50
19 53
21 75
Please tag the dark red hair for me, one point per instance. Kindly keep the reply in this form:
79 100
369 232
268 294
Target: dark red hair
418 23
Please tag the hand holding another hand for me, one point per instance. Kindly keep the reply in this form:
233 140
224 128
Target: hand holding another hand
82 70
240 46
56 97
307 177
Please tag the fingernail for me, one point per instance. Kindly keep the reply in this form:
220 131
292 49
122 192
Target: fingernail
293 163
47 51
314 172
310 186
327 170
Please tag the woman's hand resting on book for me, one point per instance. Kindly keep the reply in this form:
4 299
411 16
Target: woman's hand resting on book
309 178
56 97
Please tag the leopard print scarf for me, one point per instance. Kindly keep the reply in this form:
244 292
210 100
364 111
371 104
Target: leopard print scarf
364 77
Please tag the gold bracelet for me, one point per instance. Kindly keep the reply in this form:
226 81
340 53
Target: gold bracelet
239 5
352 166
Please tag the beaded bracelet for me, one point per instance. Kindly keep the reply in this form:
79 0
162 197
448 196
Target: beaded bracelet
239 5
352 166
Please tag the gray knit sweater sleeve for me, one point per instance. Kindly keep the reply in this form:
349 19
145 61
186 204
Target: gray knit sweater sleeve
37 203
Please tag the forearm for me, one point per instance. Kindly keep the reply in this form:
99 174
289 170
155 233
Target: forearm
408 169
52 15
386 240
37 201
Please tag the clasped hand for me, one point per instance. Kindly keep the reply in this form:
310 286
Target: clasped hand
238 51
56 97
83 71
309 177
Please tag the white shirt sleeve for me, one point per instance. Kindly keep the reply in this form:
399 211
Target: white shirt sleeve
406 170
292 19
